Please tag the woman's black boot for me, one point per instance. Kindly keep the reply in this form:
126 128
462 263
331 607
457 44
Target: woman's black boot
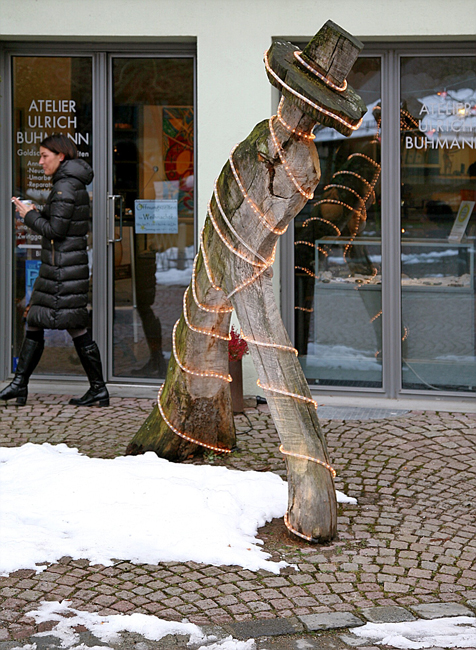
91 360
30 355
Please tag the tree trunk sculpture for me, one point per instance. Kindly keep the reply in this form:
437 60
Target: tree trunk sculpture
266 182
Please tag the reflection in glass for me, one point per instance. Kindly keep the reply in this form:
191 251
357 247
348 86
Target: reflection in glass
50 95
153 172
337 252
438 185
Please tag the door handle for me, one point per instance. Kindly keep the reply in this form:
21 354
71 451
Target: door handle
111 218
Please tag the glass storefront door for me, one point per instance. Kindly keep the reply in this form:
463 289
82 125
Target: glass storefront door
142 219
152 182
438 222
50 94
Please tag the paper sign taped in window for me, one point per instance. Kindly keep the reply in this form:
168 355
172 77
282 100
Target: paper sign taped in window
156 217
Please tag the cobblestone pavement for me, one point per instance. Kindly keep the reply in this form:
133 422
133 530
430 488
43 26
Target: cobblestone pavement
410 540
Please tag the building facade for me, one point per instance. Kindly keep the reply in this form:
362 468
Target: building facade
375 277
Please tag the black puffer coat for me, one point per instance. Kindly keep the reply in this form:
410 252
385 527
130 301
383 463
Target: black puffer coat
60 294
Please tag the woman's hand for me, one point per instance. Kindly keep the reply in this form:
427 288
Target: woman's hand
21 208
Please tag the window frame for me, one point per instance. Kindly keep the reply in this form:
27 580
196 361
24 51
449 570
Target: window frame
390 55
100 52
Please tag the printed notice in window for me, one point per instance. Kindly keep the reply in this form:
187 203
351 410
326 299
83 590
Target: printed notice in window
461 221
156 217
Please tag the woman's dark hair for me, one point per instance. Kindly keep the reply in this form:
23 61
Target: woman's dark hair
59 143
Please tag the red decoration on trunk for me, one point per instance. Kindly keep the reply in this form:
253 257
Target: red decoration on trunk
237 346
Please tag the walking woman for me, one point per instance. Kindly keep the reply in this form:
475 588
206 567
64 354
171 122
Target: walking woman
60 294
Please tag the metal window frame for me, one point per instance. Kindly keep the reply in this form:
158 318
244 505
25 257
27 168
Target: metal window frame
108 254
390 54
100 54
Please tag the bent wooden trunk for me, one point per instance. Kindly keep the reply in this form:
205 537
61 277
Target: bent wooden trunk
254 201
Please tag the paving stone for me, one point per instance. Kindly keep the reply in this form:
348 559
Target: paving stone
268 627
387 615
331 621
398 546
441 610
357 413
322 642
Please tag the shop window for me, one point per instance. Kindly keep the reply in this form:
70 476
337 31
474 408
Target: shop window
337 251
438 221
429 223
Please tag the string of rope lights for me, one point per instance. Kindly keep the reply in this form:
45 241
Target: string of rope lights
304 243
360 212
269 345
344 187
363 212
367 158
300 189
305 99
221 450
300 134
227 243
254 207
377 315
368 280
217 309
322 77
190 371
334 201
308 538
303 268
261 265
311 245
251 279
342 172
329 223
228 223
287 393
206 263
312 460
199 330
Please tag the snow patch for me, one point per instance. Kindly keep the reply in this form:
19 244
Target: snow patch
138 508
457 632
